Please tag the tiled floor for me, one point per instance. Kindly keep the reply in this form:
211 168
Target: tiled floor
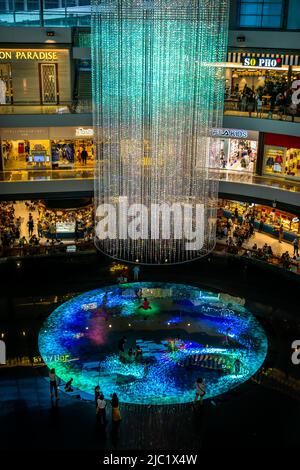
261 238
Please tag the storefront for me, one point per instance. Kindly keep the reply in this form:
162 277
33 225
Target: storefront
235 149
265 74
271 218
35 76
46 148
281 156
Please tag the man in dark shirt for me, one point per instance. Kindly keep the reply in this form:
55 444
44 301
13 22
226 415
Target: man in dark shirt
121 344
84 156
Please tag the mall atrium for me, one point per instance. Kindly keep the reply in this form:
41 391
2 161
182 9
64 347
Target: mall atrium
149 226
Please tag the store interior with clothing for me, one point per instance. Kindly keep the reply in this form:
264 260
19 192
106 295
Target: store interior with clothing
282 156
46 153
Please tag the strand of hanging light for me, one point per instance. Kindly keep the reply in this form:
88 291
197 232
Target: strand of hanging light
158 90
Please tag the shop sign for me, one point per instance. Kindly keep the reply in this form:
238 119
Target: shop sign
28 55
81 132
52 358
267 62
234 133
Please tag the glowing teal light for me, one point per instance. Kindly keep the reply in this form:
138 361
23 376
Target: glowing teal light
158 80
166 374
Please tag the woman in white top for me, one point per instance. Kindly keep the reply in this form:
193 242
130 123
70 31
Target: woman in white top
101 411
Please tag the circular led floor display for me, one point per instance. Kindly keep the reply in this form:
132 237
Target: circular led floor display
153 351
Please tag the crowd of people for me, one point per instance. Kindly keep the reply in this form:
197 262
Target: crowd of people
38 227
238 230
270 99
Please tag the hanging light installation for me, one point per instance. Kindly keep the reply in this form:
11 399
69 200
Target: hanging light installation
158 90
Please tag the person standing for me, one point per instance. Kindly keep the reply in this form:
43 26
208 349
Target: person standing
116 414
40 229
101 409
84 156
136 272
30 225
296 246
53 384
280 233
200 390
97 394
121 347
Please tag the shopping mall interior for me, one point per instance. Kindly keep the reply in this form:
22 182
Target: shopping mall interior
114 343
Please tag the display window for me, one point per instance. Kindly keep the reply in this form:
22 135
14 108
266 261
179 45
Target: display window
72 153
236 154
26 154
35 76
43 148
282 156
262 80
262 90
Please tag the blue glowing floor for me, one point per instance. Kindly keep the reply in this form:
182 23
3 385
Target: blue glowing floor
188 333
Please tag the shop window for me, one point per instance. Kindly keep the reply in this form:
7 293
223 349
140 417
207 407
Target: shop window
26 154
261 13
235 154
282 156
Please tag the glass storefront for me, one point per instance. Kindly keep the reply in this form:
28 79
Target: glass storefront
281 156
47 148
264 90
35 76
26 154
236 150
72 153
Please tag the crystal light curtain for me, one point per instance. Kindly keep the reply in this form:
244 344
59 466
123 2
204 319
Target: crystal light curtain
158 86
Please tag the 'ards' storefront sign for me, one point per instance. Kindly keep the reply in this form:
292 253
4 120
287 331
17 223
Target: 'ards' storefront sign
267 62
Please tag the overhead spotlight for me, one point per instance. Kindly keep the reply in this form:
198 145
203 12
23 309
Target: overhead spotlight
50 34
241 39
110 326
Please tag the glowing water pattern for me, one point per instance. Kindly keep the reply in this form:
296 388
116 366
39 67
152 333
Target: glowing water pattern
88 328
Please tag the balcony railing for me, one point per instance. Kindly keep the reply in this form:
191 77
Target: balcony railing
232 107
15 176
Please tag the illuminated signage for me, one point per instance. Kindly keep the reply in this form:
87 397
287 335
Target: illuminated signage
81 132
54 358
267 62
28 55
236 133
